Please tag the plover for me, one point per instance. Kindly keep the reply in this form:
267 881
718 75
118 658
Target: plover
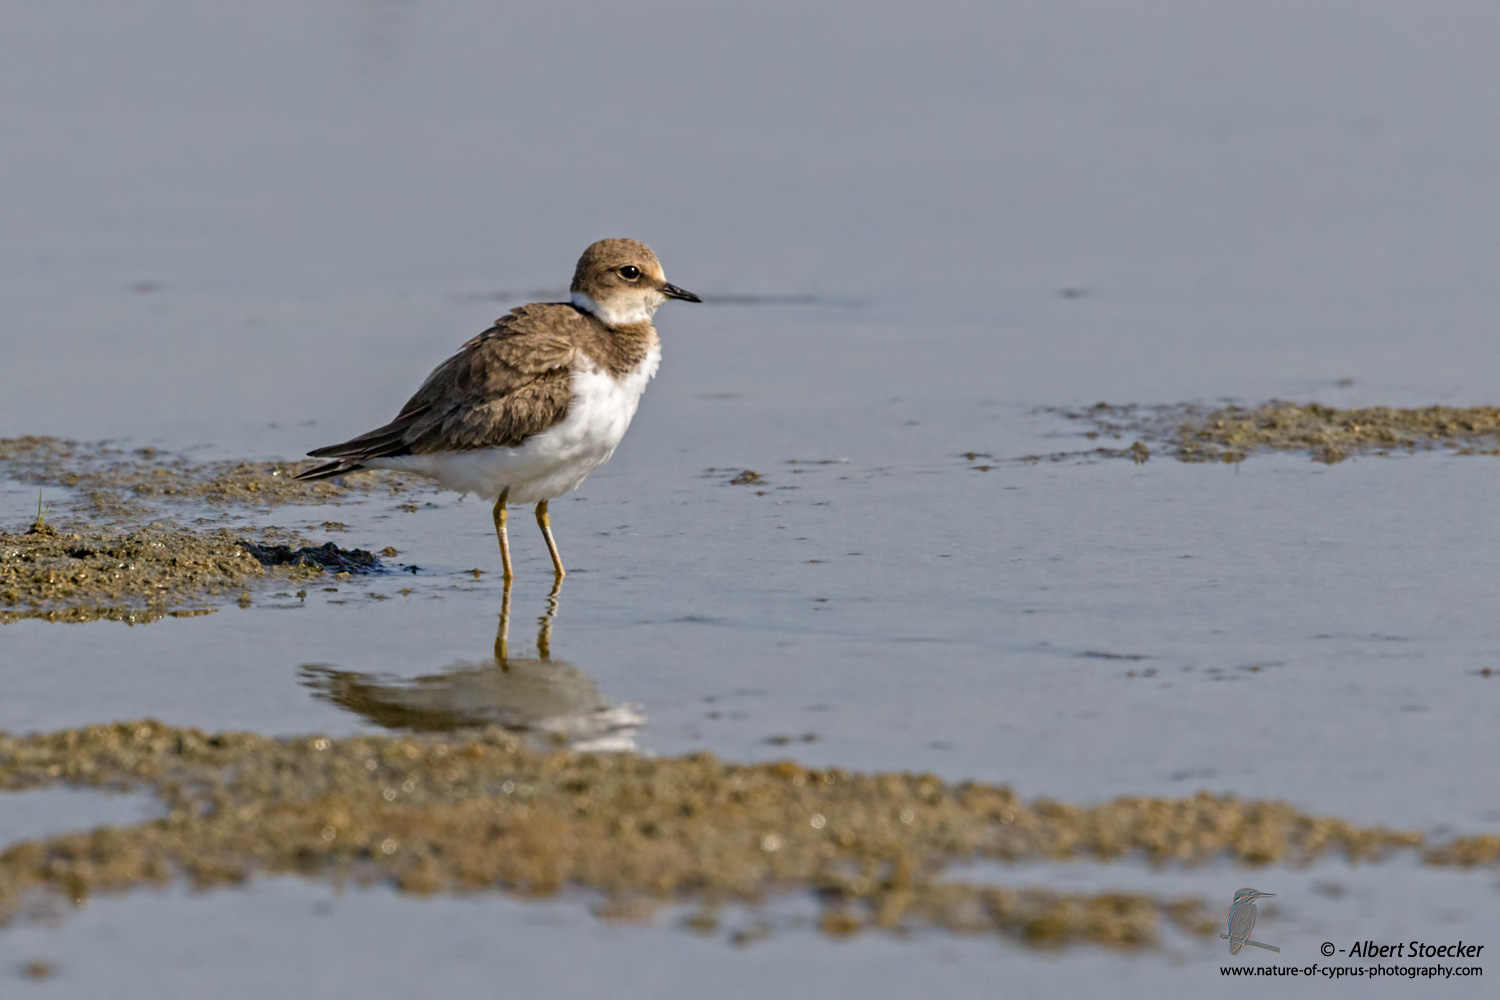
526 410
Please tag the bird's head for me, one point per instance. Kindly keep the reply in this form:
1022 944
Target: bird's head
621 283
1250 896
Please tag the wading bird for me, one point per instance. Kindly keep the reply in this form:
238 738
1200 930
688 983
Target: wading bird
527 409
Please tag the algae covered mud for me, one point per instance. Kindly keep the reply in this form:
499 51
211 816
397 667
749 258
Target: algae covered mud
139 576
114 482
115 548
485 812
1327 434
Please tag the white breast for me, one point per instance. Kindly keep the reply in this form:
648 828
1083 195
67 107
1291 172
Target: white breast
555 461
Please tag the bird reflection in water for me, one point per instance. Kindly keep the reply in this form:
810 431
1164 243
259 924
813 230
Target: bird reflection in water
549 699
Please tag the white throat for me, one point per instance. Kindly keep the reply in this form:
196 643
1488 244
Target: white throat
626 315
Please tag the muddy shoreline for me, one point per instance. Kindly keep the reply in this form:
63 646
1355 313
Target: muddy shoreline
486 812
1327 434
143 575
115 546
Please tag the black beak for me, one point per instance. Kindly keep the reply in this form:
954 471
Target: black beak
673 292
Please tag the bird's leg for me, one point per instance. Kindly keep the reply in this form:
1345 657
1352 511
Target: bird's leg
545 522
504 539
502 636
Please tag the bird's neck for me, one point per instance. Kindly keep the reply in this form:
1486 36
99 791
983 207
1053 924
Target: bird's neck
614 314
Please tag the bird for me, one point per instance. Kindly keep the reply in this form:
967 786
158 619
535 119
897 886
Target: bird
528 408
1242 920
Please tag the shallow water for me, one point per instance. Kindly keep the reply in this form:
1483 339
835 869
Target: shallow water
359 943
47 812
247 233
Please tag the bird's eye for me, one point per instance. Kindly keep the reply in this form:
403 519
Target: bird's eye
630 272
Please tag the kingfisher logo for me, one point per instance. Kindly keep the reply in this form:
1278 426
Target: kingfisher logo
1242 922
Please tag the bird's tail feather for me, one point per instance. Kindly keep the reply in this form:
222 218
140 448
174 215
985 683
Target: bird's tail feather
328 470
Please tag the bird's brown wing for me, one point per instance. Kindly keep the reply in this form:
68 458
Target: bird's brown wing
508 383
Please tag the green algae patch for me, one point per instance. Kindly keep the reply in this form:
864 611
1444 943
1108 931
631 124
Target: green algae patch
121 482
487 812
142 575
112 560
1467 852
1330 435
1326 433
